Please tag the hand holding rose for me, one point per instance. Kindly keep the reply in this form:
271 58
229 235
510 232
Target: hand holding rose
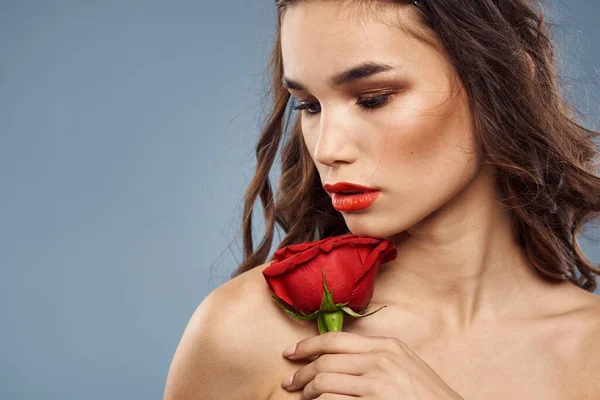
355 366
348 365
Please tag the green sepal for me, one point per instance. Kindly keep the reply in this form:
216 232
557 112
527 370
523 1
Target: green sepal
354 314
304 316
327 304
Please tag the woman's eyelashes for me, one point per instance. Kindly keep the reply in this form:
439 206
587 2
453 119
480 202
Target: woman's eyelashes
366 104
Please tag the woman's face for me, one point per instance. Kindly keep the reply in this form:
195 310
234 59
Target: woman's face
415 143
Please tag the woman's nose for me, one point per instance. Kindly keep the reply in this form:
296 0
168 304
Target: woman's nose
334 143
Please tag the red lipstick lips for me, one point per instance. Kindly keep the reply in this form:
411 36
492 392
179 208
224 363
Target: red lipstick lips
350 197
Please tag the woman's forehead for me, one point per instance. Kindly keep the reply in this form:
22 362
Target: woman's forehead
310 31
316 46
326 31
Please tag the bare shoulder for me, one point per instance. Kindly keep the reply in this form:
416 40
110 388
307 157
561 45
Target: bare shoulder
590 361
584 324
223 350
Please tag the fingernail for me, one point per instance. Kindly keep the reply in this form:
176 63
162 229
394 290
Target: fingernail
287 382
289 351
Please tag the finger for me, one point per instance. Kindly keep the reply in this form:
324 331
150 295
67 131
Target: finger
340 384
349 364
336 343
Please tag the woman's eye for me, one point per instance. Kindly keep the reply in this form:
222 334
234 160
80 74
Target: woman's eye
307 108
371 103
366 103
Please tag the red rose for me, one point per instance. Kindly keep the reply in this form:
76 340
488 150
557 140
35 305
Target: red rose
348 262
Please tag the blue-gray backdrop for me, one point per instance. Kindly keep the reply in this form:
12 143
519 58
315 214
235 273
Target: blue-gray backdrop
126 140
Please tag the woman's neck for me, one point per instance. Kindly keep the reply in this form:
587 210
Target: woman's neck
463 264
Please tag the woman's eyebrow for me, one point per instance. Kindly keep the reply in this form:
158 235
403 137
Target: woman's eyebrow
361 71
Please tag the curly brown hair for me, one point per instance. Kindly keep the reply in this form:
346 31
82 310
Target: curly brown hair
544 161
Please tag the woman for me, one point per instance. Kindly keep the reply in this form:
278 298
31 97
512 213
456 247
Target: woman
450 110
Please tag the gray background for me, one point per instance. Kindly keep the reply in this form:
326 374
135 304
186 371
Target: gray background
127 131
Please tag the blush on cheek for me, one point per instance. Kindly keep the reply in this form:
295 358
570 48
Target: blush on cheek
433 135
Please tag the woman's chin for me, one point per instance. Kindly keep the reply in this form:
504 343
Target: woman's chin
370 231
375 227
